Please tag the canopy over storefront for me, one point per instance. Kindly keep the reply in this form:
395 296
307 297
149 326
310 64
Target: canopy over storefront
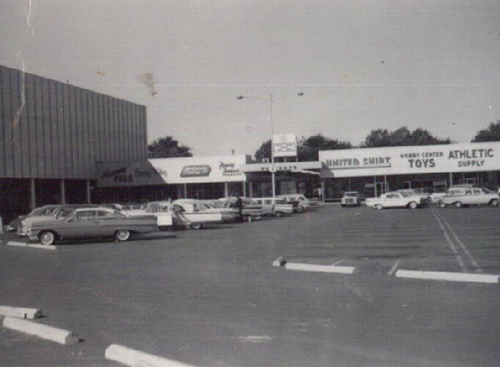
294 167
471 157
172 171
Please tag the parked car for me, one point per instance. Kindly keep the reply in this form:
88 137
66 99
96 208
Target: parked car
166 216
91 223
201 214
57 212
466 197
250 208
274 206
303 203
351 198
416 192
228 214
395 199
436 197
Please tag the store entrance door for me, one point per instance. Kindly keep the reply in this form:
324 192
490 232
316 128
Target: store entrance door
381 188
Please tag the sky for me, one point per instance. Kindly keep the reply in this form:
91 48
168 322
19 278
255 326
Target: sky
360 64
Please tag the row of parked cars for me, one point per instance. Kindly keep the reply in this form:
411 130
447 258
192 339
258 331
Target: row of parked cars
52 223
457 195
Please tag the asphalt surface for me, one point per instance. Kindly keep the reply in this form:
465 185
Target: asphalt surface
213 298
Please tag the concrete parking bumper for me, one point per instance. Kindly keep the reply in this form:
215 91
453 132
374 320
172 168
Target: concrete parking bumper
42 331
20 312
136 358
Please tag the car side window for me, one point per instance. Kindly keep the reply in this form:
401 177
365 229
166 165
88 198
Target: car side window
103 214
87 215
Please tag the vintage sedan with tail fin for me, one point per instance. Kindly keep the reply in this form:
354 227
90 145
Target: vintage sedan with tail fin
395 200
467 197
91 223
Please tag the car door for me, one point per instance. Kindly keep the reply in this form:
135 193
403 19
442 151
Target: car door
393 200
81 224
108 223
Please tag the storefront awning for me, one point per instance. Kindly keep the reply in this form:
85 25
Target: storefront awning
296 167
171 171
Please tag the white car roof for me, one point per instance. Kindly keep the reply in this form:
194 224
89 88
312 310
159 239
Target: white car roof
94 209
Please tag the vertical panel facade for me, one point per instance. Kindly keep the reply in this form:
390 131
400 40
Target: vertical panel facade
63 130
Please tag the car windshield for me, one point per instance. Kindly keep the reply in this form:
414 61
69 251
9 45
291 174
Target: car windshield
351 194
44 210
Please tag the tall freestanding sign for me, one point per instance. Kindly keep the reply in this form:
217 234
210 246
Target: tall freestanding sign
285 145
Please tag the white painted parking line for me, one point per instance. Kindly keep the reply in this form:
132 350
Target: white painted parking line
42 331
461 244
448 276
20 312
338 262
31 245
136 358
17 244
453 248
321 268
394 268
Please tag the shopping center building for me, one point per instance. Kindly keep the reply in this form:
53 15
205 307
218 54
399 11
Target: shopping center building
65 144
52 135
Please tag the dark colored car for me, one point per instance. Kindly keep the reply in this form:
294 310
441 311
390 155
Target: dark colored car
91 223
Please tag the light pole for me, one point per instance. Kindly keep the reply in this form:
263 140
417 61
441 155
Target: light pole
272 98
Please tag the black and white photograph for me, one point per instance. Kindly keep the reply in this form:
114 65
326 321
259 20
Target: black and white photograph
250 183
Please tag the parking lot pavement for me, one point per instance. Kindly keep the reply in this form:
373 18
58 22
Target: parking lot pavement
213 298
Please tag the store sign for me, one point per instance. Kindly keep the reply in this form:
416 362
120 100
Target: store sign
281 166
285 145
229 169
133 174
196 171
185 170
407 160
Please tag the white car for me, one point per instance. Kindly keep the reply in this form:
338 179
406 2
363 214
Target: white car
303 203
201 206
350 198
395 200
274 206
415 192
466 197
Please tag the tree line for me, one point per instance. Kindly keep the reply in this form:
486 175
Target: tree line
308 148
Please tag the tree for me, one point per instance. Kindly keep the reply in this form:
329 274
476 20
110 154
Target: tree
401 137
492 133
307 149
168 147
264 151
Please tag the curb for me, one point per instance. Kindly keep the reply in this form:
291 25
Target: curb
31 245
136 358
42 331
321 268
448 276
19 312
